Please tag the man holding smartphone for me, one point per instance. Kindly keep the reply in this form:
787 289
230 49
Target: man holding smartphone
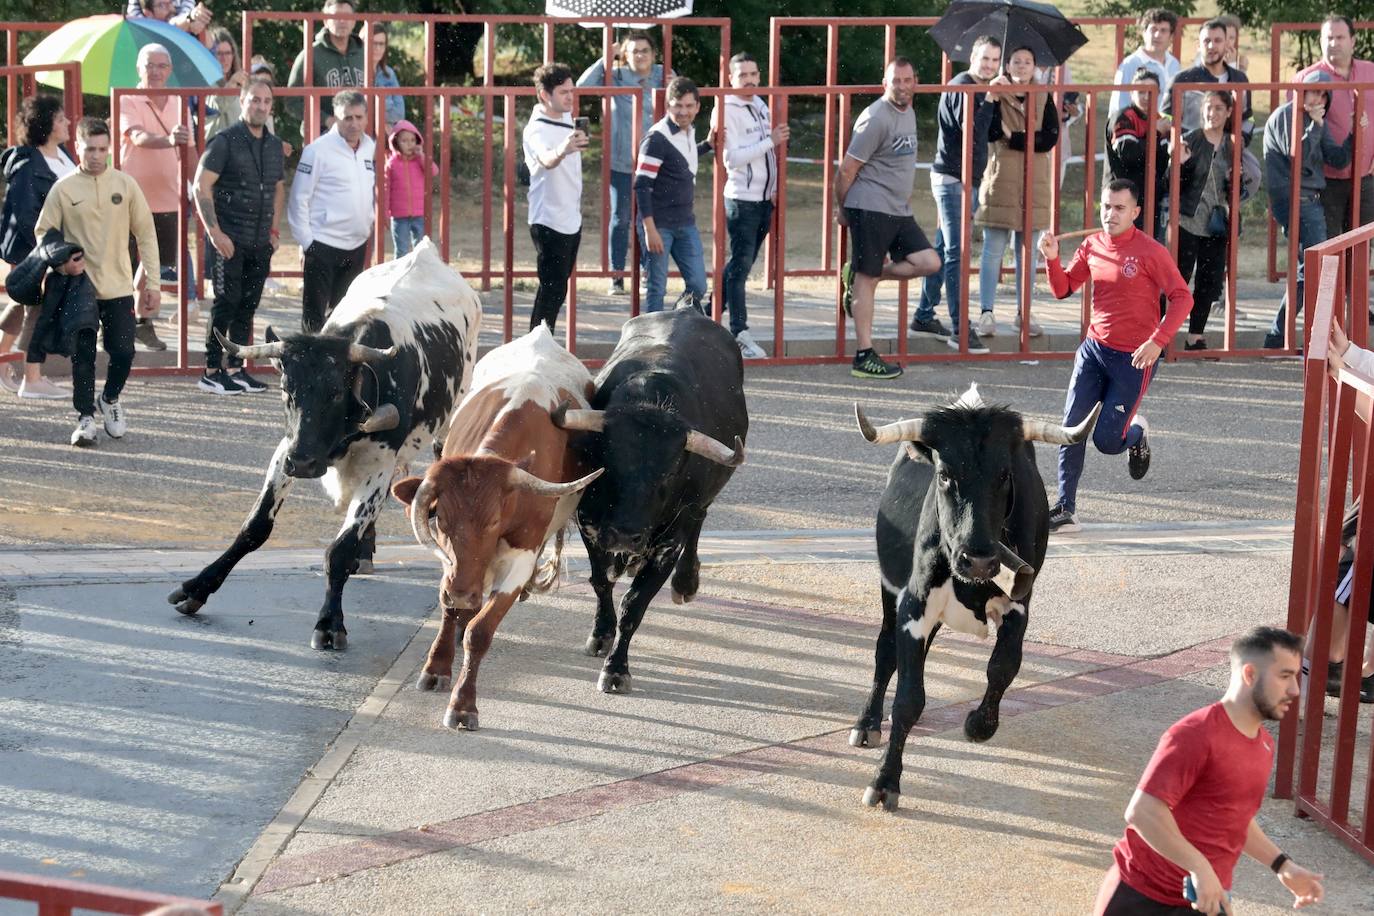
553 142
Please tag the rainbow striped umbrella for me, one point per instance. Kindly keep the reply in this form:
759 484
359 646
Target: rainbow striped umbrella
107 49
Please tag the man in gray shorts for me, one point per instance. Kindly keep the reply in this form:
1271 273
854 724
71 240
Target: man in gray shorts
874 195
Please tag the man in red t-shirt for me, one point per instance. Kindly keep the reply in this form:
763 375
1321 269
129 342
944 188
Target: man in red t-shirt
1193 812
1129 271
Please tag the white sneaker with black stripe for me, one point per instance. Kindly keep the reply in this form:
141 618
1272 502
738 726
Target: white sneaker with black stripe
84 434
113 415
246 382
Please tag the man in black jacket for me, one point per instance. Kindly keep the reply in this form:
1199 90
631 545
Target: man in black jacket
947 187
1212 43
239 193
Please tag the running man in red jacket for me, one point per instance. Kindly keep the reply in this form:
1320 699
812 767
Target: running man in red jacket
1116 360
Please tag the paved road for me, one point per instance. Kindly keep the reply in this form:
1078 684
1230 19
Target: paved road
1225 448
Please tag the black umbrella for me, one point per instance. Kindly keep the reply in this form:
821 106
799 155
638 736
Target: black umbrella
630 10
1020 23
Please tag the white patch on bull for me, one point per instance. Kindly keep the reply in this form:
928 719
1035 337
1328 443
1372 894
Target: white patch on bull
970 399
942 606
535 368
365 460
509 570
889 587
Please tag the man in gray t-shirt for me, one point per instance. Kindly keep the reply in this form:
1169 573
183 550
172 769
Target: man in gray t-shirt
874 194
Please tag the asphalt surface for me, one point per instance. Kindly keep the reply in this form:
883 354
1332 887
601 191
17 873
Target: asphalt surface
1224 437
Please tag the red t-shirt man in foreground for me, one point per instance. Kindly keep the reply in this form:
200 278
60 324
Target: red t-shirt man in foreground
1193 812
1115 362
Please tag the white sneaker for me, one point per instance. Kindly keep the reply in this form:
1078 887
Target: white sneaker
113 414
1035 329
9 380
43 390
84 434
987 325
748 347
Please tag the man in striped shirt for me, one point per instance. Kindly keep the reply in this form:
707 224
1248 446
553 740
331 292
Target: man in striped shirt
665 179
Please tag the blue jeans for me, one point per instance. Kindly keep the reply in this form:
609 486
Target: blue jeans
990 267
948 236
1100 374
406 232
684 244
748 222
1311 231
621 183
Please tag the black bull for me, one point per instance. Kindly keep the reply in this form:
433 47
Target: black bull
668 399
962 531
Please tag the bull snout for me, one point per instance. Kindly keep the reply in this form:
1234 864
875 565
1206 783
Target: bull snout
616 540
465 600
976 565
307 468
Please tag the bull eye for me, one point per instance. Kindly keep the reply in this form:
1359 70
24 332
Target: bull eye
943 474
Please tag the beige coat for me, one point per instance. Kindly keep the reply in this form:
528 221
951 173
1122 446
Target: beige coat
1001 201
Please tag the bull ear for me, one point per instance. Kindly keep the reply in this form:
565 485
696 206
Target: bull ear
270 335
404 489
527 462
918 452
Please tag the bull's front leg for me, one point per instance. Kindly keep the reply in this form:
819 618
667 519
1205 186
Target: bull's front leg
366 549
603 628
437 672
194 592
341 557
687 575
1003 665
868 731
615 673
512 573
914 629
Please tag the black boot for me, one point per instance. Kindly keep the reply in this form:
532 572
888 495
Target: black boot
1334 673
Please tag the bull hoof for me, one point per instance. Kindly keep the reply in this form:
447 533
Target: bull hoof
613 682
363 568
467 721
886 797
329 639
680 598
427 681
184 603
597 646
865 737
980 728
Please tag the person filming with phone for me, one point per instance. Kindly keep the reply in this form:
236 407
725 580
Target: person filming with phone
553 143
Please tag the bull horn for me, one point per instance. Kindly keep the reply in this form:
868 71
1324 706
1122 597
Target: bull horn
1023 573
901 431
419 513
703 445
587 421
383 418
359 353
522 479
256 351
1053 433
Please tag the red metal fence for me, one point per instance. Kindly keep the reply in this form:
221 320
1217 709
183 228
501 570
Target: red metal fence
1337 453
59 897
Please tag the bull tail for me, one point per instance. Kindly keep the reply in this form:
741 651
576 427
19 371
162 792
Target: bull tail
548 574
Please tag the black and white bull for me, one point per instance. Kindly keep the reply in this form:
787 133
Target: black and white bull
383 376
667 401
962 530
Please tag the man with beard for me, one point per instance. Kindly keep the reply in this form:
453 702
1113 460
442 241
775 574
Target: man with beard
239 191
1212 44
1193 812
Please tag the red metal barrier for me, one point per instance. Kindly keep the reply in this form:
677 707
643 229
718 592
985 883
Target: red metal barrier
1338 418
12 31
59 897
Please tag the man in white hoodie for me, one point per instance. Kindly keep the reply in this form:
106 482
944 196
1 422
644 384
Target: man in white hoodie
333 201
751 157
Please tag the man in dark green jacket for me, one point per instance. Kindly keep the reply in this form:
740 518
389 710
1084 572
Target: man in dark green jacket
337 61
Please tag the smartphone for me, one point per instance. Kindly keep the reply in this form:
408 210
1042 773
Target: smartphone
582 124
1190 892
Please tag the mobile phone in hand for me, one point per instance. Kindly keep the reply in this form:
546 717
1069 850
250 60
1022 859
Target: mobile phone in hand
582 124
1190 892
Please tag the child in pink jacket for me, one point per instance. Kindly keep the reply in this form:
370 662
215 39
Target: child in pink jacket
405 186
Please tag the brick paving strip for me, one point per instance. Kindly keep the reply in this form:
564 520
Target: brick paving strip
1112 674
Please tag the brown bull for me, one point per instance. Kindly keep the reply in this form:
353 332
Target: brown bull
492 502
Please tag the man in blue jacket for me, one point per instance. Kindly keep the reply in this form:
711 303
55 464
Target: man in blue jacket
638 69
947 187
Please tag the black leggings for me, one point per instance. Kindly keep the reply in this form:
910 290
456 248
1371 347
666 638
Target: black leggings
555 256
328 273
1208 254
117 333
